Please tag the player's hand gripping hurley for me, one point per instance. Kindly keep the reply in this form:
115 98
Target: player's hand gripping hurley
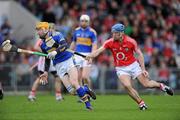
8 47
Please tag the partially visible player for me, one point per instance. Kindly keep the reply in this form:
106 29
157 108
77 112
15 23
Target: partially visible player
55 46
127 66
52 70
84 41
1 89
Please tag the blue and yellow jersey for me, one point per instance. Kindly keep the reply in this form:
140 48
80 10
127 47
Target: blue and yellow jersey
84 39
59 39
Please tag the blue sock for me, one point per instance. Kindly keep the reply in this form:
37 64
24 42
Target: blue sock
88 104
80 91
85 88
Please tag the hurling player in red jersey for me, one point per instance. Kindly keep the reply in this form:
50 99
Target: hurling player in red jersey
127 66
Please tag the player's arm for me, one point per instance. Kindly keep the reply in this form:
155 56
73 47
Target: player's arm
37 45
73 43
140 59
72 46
44 76
94 40
96 53
47 64
60 45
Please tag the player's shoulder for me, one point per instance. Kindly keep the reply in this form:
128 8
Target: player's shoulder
57 36
92 30
130 39
108 41
56 33
78 28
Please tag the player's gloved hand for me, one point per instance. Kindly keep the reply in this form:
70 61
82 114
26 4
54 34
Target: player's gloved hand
6 45
52 55
43 78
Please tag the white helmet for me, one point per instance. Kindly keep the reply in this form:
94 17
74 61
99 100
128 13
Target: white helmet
85 17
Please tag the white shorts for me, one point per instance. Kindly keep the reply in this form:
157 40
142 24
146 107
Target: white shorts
63 67
132 70
41 65
80 61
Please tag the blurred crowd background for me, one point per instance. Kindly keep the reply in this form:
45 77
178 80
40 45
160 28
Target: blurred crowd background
154 24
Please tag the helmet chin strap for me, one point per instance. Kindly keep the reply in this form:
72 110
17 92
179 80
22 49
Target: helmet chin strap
44 36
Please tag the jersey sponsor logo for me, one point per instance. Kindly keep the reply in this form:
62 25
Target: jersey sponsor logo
84 41
121 56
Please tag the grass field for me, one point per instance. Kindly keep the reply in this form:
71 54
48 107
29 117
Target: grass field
109 107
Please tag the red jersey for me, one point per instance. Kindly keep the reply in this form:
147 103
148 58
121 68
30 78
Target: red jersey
123 52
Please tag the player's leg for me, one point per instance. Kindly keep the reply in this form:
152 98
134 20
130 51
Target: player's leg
1 91
73 77
57 86
126 82
86 69
86 76
68 85
32 93
153 84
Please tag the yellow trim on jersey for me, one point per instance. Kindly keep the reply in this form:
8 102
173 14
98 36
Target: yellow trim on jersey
77 28
49 38
84 41
52 49
92 30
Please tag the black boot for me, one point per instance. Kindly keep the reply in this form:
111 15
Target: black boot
1 95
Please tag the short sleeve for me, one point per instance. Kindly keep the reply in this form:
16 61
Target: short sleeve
58 38
94 36
135 46
107 44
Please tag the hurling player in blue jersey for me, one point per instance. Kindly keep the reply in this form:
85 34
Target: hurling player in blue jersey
55 46
84 41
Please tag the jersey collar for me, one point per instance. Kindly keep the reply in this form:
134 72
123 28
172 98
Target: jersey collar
84 28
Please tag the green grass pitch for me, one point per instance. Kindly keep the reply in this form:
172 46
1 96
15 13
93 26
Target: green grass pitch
106 107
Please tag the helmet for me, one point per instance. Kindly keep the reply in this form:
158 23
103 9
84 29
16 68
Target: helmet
118 28
51 25
85 17
42 25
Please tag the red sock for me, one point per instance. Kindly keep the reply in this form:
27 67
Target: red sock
58 93
161 86
140 102
33 92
